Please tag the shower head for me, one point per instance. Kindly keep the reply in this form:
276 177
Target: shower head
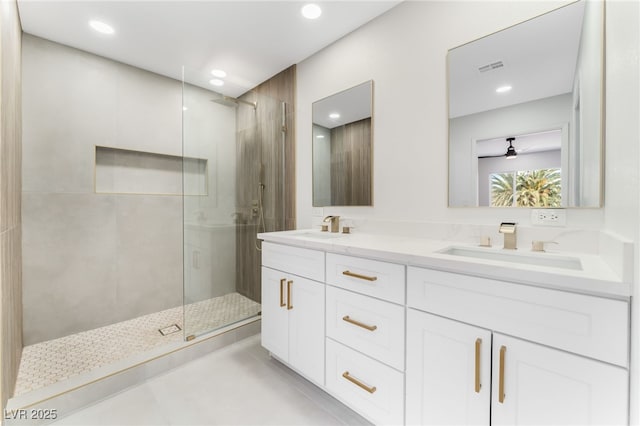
233 102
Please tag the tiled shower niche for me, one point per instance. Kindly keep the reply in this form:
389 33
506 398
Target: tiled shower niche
123 171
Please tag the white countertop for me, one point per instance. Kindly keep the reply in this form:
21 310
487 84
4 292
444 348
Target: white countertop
595 278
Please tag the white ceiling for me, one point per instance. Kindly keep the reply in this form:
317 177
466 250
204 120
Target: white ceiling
250 40
352 104
539 58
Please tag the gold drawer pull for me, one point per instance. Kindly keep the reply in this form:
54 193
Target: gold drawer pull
358 382
362 277
289 304
282 304
359 324
503 350
478 385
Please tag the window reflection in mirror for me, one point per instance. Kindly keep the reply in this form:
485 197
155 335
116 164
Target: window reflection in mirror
529 176
532 81
342 148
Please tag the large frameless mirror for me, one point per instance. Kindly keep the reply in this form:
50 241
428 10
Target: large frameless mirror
526 113
342 148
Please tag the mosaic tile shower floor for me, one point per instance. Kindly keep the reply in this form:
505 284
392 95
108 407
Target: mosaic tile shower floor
55 360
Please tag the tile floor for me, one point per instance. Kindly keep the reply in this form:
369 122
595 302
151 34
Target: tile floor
237 385
55 360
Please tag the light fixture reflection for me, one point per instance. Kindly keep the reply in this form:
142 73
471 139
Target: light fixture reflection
503 89
216 82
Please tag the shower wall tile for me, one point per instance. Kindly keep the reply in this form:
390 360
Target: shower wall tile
86 101
94 259
148 254
10 195
66 113
210 259
148 112
282 87
69 244
10 309
260 158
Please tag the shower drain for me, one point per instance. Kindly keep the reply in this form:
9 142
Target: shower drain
170 329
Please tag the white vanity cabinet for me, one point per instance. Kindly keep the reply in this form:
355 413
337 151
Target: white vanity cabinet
452 366
448 372
545 386
405 344
365 323
293 308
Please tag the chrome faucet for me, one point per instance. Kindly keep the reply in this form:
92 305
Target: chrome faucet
509 231
334 221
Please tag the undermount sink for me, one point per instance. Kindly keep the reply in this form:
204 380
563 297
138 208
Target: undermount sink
539 259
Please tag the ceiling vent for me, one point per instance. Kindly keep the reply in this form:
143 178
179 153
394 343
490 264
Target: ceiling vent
491 66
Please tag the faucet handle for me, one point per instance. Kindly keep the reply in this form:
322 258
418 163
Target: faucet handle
537 245
485 241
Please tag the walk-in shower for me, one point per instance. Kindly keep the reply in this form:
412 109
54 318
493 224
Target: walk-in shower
141 205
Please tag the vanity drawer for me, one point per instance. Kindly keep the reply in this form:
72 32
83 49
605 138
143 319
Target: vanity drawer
592 326
371 277
374 390
294 260
371 326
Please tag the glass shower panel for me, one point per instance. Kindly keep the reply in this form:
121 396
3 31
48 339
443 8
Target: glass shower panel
233 175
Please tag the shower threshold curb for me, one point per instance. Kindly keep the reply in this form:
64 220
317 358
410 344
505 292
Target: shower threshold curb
68 396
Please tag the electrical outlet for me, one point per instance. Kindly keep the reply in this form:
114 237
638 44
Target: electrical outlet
549 217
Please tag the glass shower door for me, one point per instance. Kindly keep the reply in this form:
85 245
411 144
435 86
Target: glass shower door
233 188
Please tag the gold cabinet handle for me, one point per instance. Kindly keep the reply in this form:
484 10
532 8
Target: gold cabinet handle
289 305
359 324
503 350
478 385
358 382
282 304
362 277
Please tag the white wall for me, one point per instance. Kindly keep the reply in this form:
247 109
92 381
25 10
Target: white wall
404 52
622 185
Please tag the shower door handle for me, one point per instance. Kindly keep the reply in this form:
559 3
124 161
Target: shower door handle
289 304
282 304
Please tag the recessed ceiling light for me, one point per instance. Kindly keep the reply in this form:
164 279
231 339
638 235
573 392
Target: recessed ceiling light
334 115
218 73
184 108
320 136
101 27
311 11
217 82
503 89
